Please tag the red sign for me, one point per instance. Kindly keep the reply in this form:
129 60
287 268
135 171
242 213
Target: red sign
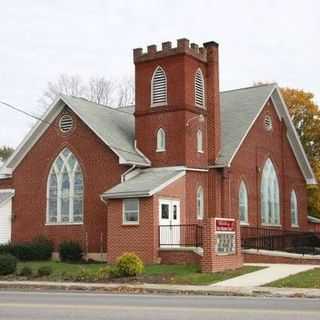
226 225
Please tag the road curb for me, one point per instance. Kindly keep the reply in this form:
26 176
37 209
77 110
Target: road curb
162 289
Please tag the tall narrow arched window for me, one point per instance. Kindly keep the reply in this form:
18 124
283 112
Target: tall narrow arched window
294 209
270 204
199 89
199 141
200 203
159 87
161 140
243 203
65 190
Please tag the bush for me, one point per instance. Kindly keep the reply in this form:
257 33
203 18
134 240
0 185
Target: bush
44 271
25 272
5 248
129 265
103 273
8 264
40 248
70 251
86 274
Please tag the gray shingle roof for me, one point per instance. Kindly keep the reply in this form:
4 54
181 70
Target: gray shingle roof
113 126
4 196
144 184
239 108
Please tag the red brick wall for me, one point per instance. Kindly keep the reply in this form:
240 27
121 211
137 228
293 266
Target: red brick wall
211 261
181 139
5 183
143 239
101 171
248 164
140 238
179 257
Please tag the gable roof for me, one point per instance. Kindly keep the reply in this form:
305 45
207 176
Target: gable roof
239 111
144 184
113 126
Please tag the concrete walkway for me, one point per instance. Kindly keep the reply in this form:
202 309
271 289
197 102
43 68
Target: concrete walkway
271 273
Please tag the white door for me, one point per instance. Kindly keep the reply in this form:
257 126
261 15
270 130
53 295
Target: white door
5 222
169 220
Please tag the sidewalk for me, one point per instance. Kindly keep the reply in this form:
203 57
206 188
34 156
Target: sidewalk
271 273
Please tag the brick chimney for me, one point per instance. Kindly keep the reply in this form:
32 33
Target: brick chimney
213 101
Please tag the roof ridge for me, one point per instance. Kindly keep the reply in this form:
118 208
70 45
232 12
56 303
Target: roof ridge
97 104
251 87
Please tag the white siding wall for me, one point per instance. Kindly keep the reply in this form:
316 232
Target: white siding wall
5 221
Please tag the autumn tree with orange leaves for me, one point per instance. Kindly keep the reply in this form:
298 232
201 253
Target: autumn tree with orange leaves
306 117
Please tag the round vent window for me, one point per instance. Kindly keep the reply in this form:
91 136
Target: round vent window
268 123
66 123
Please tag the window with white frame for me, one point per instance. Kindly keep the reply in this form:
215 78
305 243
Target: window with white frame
200 203
159 87
270 204
199 89
243 203
294 208
65 190
199 141
131 211
161 140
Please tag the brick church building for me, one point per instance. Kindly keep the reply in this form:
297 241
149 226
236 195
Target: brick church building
150 178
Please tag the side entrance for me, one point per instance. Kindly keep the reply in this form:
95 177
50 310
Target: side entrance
169 222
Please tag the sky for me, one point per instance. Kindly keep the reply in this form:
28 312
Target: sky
260 41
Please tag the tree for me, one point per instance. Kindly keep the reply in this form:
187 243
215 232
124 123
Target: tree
126 94
306 118
67 85
98 89
5 152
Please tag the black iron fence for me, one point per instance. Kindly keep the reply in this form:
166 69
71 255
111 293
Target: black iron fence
183 235
280 240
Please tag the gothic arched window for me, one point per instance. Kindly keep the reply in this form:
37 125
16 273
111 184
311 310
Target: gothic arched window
65 190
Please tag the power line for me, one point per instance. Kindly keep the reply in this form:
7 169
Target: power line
22 111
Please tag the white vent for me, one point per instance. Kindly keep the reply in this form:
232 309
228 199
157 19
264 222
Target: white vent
159 87
199 89
66 123
268 123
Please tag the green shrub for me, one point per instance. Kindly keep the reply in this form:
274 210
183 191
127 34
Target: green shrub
70 251
25 272
44 271
8 264
40 248
5 248
129 265
103 273
86 274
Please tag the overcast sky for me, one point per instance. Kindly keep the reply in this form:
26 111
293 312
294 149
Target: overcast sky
40 39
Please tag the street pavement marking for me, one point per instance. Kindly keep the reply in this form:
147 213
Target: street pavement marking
154 308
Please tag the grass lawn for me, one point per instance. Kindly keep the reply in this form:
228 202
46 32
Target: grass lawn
308 279
174 274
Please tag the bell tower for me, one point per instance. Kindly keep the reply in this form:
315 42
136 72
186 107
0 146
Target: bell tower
177 114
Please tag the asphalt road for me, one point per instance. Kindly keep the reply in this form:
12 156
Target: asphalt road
60 306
